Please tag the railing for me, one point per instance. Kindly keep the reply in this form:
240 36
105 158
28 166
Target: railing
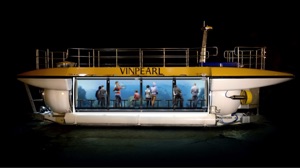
252 57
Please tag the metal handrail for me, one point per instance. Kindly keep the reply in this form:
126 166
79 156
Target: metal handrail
252 57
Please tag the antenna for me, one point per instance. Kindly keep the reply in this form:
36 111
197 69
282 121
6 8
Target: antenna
204 41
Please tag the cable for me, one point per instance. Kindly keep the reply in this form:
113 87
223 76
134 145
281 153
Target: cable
221 120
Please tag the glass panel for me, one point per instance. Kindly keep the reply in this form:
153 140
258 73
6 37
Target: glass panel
186 88
86 92
164 90
128 88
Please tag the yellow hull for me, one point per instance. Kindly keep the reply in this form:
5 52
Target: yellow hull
155 71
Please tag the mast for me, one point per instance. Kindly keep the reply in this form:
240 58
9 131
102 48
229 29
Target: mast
204 41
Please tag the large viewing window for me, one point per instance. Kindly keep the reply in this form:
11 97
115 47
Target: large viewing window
86 88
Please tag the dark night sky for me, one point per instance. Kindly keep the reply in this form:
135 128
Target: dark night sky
123 24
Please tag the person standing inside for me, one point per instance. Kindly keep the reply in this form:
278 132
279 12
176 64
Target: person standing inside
148 95
154 93
102 96
98 95
194 92
177 97
117 90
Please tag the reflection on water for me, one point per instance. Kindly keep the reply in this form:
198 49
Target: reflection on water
48 144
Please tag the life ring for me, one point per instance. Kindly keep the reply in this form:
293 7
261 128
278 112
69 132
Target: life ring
248 97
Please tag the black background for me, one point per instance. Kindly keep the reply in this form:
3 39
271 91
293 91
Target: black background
60 26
